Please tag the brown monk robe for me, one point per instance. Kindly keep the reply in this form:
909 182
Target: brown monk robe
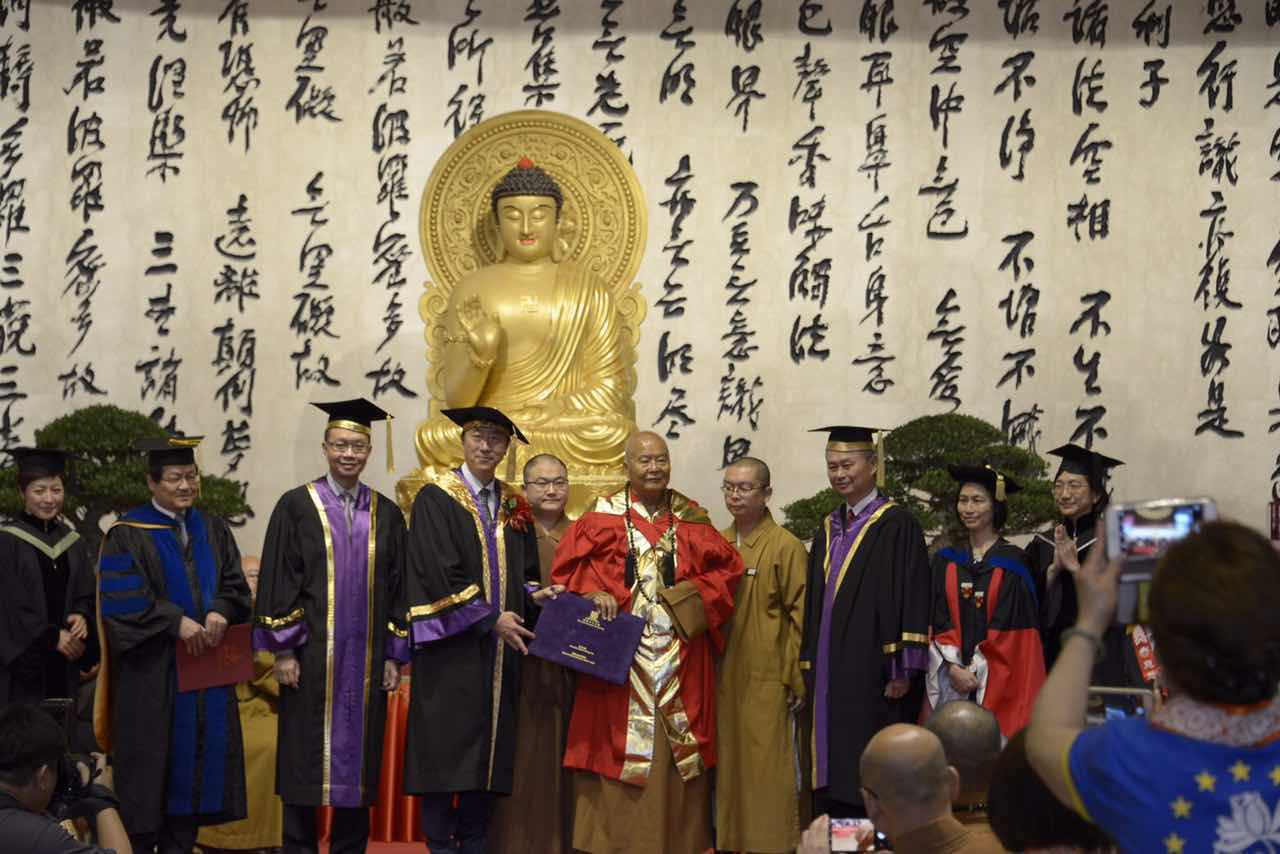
758 784
536 817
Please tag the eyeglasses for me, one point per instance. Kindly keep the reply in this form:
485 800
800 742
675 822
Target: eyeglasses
357 448
739 488
1070 486
179 479
543 483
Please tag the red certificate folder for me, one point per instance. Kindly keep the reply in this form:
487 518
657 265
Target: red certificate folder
228 663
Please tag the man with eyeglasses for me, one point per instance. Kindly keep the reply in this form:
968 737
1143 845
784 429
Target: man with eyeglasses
331 570
1080 490
168 574
761 687
537 815
471 592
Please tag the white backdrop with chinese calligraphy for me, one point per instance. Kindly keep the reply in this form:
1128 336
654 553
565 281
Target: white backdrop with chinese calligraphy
1062 216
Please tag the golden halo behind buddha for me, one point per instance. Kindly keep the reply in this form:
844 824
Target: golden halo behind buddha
603 220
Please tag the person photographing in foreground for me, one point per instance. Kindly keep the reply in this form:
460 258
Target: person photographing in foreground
35 797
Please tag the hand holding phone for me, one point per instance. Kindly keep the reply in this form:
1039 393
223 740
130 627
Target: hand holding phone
855 834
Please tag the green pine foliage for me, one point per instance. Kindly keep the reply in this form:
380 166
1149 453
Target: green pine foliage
918 454
107 477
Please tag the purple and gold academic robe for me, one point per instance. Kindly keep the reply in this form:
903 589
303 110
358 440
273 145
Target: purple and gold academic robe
173 753
866 621
462 569
326 592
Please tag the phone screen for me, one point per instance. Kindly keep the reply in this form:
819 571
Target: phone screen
1139 534
1146 532
854 834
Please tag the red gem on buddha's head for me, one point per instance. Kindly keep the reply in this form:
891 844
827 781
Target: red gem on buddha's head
524 163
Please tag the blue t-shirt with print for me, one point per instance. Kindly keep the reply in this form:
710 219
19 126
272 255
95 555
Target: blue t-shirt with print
1156 791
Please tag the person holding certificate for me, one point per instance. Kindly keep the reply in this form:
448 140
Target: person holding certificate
642 748
169 575
471 592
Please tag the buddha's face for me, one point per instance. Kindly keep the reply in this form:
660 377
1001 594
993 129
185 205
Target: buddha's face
527 225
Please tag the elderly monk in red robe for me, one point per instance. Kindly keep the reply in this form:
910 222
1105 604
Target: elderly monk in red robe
642 749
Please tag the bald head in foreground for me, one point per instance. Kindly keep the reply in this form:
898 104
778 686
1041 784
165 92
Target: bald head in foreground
970 736
908 788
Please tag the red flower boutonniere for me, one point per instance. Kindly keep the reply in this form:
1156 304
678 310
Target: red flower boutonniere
519 513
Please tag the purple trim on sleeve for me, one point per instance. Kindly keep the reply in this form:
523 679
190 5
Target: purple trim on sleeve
532 587
458 620
905 661
277 640
396 648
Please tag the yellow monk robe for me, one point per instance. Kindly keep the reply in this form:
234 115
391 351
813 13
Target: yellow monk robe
264 826
572 395
537 815
757 802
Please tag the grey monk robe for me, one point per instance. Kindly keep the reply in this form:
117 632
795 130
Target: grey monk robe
325 592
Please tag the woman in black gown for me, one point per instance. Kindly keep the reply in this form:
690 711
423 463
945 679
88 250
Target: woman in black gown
46 588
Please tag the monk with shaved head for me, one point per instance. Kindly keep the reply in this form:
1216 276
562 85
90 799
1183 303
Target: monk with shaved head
641 751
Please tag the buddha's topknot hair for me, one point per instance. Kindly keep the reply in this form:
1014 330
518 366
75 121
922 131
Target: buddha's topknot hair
526 179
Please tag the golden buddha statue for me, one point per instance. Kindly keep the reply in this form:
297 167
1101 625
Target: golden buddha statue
534 334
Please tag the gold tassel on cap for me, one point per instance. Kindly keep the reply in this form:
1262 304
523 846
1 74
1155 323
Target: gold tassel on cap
880 459
1000 494
391 454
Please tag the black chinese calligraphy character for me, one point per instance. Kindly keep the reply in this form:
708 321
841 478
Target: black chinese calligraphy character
1217 79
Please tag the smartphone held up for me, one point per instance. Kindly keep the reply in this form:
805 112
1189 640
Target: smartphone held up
1138 534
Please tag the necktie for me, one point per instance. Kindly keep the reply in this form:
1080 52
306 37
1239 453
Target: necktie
484 502
348 508
182 530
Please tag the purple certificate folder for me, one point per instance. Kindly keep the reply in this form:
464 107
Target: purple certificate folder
571 634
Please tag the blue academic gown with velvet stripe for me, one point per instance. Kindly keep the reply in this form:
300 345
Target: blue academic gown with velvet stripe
173 753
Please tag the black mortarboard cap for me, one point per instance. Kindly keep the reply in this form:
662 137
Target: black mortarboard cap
358 414
843 437
169 450
41 462
472 416
999 484
849 435
1091 464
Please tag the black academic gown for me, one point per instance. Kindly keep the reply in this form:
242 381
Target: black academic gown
173 753
465 683
46 575
1059 607
292 612
881 608
998 627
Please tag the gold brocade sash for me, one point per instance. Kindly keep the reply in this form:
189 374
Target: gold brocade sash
682 507
654 703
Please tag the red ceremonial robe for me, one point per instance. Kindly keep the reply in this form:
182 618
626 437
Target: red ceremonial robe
986 619
592 556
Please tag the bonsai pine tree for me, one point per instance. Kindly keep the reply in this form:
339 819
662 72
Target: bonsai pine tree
107 477
918 454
